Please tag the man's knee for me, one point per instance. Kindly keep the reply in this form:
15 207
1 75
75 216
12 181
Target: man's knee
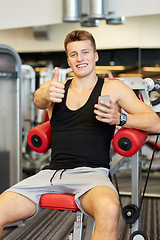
101 202
107 207
106 215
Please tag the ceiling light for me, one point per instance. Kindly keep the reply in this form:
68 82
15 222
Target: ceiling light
90 23
110 68
115 20
151 69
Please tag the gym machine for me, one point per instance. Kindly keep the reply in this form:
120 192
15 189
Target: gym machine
126 143
10 120
28 115
28 89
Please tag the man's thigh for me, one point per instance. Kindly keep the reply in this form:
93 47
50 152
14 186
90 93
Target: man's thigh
33 187
15 207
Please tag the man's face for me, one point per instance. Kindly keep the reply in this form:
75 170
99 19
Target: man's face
81 58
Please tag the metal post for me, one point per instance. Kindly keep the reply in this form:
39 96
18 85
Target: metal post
78 226
136 187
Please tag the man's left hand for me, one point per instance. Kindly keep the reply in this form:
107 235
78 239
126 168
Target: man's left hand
107 113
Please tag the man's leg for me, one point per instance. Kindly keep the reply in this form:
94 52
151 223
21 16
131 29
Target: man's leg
14 207
102 204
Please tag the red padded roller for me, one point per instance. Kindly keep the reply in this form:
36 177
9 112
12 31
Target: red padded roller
39 138
58 201
127 142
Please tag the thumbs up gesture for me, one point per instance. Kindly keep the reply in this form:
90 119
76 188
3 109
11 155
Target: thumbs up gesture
56 89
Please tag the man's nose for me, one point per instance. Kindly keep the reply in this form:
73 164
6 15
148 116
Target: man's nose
79 57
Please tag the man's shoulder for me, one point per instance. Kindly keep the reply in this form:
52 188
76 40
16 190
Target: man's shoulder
112 82
113 86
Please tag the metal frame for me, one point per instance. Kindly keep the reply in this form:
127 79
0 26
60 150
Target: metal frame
81 233
16 166
7 49
136 187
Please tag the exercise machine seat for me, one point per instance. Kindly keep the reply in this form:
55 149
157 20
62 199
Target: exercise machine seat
58 201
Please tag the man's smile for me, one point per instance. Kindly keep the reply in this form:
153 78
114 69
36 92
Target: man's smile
82 65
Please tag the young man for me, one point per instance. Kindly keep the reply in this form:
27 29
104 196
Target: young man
81 136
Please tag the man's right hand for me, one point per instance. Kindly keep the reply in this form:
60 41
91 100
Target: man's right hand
55 89
49 92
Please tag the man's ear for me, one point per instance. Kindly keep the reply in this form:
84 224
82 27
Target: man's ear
96 56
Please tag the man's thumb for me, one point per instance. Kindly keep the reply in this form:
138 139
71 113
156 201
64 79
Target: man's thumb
56 74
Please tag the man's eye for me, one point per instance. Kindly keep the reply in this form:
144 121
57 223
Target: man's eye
73 54
86 52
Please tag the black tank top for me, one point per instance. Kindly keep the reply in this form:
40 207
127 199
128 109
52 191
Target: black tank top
78 138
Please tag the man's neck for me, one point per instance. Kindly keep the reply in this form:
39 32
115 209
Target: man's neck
85 83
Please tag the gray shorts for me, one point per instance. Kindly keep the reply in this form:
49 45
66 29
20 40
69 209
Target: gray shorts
75 181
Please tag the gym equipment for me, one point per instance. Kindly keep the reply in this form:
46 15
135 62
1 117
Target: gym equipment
10 120
39 138
154 85
138 235
128 142
131 212
28 89
28 107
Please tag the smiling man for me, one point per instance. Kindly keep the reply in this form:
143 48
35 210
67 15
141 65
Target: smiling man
81 138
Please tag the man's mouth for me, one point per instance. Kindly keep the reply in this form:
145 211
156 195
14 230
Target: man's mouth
82 65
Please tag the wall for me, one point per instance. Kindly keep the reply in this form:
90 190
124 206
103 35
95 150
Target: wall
143 32
26 13
130 8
